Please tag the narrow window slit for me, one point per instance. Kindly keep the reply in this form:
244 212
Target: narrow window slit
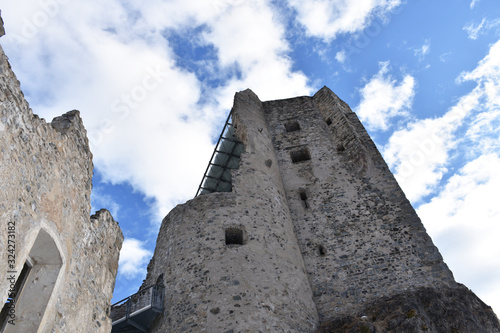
10 303
321 250
303 197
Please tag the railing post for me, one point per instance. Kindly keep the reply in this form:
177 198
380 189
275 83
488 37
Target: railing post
127 311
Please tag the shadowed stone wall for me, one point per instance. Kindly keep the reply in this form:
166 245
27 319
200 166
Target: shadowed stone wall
359 236
45 184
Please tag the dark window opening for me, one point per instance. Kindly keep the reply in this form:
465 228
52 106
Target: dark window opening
329 121
340 148
300 155
234 236
9 306
303 197
292 126
321 250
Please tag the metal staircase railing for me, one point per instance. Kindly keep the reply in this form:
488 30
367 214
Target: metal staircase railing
136 312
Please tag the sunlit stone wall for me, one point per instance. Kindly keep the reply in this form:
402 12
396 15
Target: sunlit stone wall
230 261
316 215
45 184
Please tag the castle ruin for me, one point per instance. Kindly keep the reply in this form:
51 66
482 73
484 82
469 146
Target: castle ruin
298 226
58 263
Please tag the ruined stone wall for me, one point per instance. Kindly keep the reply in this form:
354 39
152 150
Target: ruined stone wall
258 286
359 236
329 237
45 184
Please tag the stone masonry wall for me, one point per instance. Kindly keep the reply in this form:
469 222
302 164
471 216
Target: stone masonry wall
327 236
359 236
260 286
45 184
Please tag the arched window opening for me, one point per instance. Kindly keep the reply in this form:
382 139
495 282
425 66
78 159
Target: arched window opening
39 281
159 280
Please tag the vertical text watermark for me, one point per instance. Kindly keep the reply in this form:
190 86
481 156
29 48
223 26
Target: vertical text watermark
9 309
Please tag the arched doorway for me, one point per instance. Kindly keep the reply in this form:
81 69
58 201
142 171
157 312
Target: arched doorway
35 284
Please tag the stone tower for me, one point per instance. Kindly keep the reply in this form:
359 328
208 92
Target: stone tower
300 226
58 263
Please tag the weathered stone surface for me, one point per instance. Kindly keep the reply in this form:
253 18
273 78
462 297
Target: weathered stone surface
45 184
373 243
325 232
2 29
258 286
422 310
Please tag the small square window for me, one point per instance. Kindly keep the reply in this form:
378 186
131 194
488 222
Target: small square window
292 126
300 155
234 236
329 121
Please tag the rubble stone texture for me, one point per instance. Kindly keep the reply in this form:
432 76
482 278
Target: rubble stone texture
316 235
45 184
326 233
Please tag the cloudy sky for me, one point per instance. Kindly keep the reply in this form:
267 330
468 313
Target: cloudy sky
154 81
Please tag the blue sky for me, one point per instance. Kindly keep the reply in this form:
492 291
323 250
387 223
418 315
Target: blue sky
155 80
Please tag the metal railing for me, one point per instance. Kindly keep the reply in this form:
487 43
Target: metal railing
139 309
226 156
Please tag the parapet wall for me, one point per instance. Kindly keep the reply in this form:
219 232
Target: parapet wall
45 184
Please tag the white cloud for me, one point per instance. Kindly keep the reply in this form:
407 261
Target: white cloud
473 30
327 19
487 72
473 3
340 56
464 221
420 154
133 258
382 98
463 216
484 129
422 51
445 56
258 52
150 122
